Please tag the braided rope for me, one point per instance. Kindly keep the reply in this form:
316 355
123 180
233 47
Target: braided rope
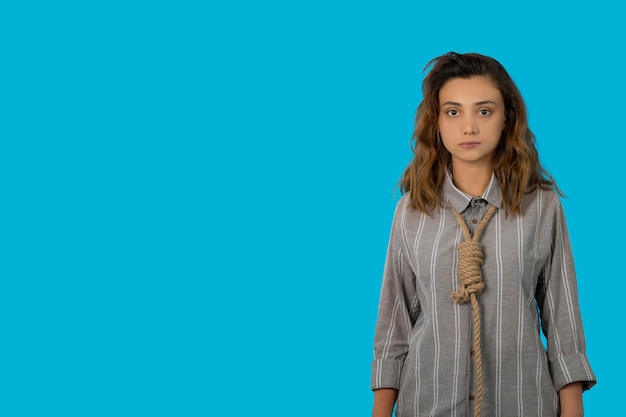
472 285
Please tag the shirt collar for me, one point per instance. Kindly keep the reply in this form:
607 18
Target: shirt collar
460 200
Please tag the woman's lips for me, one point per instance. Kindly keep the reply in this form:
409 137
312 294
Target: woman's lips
469 145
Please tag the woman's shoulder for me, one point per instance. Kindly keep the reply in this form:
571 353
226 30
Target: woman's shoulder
404 209
405 204
544 197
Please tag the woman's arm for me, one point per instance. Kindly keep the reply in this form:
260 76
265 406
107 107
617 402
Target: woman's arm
384 400
398 310
557 299
571 398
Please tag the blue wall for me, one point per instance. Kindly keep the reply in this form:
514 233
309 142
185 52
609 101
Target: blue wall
197 198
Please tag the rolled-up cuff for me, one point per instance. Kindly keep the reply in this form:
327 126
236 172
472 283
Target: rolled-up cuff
568 368
386 373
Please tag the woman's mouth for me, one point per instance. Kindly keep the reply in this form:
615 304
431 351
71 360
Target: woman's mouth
469 144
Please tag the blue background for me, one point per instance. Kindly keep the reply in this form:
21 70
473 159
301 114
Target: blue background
197 197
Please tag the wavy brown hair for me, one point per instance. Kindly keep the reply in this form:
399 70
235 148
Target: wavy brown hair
516 161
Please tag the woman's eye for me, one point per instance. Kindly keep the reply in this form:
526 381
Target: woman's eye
485 112
452 112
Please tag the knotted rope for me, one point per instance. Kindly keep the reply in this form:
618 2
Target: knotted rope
472 285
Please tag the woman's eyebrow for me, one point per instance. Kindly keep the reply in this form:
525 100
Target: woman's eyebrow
478 103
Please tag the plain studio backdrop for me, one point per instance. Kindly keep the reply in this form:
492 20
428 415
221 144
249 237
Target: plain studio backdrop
197 196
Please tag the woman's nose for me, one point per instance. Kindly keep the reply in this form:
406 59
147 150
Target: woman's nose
471 128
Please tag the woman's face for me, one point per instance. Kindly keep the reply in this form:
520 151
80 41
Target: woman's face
471 119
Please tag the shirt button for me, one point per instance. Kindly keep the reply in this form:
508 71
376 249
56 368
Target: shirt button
474 221
471 398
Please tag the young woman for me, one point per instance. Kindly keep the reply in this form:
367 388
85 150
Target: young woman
479 259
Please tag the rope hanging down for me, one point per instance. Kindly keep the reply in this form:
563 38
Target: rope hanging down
472 285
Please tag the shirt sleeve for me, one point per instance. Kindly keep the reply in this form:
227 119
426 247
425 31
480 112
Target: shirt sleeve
557 299
397 311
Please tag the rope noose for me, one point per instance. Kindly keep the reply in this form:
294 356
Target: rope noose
472 285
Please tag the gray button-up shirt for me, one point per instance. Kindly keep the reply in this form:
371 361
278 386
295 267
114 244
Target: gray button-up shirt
423 341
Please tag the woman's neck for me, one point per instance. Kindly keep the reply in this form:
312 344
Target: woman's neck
472 180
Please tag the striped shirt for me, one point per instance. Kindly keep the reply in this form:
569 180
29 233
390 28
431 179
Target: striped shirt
423 340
